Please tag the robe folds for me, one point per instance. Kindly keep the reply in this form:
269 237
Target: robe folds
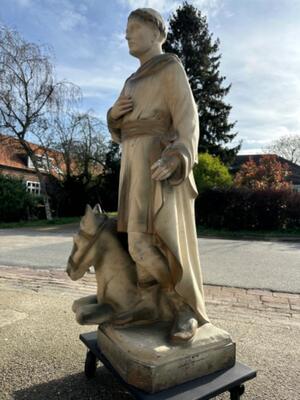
164 121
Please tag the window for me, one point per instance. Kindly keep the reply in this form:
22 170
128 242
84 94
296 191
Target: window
33 187
42 162
45 164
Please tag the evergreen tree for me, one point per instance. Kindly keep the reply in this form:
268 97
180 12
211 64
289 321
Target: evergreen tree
190 40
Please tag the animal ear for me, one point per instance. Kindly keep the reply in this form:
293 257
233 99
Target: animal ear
97 209
88 208
88 222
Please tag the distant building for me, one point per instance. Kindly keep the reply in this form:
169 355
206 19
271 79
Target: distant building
15 162
294 178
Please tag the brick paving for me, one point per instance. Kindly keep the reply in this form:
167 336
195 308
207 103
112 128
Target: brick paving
285 304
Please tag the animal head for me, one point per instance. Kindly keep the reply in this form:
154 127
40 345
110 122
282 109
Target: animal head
83 252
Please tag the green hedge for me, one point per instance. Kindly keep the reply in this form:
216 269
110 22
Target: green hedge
15 202
241 208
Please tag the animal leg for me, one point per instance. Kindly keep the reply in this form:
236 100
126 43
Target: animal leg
84 301
94 314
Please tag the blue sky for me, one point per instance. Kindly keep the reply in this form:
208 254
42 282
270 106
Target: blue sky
259 45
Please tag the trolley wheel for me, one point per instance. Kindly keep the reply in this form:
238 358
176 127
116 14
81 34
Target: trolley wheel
90 365
236 392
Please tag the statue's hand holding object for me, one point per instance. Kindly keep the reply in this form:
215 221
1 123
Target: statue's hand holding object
164 167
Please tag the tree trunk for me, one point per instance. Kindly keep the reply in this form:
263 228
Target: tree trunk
47 208
45 196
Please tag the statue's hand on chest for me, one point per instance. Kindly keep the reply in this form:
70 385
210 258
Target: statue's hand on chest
122 106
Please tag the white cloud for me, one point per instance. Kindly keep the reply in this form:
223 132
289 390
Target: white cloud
67 15
210 7
251 151
159 5
71 19
263 65
93 81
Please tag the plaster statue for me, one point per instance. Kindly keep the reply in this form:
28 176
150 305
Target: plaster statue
155 120
147 261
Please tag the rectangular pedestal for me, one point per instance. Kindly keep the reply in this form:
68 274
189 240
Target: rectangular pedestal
205 388
143 358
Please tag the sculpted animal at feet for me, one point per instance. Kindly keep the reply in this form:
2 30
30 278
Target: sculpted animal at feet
118 297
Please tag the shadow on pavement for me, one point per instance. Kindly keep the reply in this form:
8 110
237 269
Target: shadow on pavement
76 387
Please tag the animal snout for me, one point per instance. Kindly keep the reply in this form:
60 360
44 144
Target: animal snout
70 272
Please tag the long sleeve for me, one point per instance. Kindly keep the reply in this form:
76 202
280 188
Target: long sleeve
114 127
184 114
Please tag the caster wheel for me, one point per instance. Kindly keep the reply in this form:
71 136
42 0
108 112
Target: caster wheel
90 365
237 392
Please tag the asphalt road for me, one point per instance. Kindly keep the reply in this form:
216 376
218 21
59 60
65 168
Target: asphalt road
238 263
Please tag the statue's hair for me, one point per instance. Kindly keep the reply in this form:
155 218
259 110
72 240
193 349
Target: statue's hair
152 16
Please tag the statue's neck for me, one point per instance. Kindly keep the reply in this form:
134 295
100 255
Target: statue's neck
110 253
150 54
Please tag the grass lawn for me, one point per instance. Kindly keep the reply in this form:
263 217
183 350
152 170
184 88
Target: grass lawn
44 222
201 230
39 222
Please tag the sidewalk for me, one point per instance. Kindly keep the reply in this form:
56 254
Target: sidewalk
42 357
284 304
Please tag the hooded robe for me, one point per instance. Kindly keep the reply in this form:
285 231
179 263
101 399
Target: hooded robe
164 122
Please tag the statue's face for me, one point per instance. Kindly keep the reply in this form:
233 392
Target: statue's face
140 37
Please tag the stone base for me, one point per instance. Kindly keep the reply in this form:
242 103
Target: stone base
144 358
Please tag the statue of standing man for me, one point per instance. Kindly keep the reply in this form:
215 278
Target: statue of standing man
155 119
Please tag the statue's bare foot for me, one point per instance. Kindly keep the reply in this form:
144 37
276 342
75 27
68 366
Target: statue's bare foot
184 327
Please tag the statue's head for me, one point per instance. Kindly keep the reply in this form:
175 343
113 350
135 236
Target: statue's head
145 29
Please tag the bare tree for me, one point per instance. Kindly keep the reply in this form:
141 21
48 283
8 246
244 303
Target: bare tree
81 157
287 146
91 149
64 131
79 139
29 94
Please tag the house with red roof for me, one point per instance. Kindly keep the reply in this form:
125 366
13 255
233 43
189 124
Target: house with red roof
14 161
